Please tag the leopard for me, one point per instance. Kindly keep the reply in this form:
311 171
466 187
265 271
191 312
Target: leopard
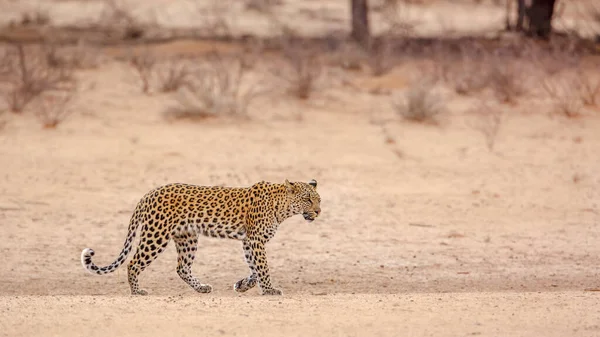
183 212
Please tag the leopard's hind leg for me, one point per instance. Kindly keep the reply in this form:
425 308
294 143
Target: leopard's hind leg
152 243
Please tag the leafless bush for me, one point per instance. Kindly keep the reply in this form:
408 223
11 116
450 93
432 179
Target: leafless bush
219 87
507 80
488 123
213 17
52 108
565 93
29 75
466 72
78 57
394 15
553 60
420 103
589 84
262 6
144 63
396 22
172 75
116 18
470 74
381 56
35 18
303 68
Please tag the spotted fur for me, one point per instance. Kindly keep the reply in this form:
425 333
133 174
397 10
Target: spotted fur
182 212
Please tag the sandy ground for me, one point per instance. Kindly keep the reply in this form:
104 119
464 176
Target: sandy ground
506 314
424 231
448 239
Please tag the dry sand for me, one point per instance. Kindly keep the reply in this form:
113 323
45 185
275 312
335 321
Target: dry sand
425 234
450 239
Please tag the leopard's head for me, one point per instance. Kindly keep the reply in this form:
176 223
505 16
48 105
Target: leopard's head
303 198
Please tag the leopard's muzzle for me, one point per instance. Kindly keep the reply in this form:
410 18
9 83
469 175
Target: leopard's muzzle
310 216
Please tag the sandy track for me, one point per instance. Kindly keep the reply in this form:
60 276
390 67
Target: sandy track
447 314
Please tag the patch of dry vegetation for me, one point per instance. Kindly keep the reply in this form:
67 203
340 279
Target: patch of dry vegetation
80 56
143 63
564 92
37 17
52 108
420 103
302 67
488 123
116 19
27 75
172 75
220 86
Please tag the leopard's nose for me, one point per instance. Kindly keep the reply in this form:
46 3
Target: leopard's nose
317 211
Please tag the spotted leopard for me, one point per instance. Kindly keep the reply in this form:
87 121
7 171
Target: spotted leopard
182 212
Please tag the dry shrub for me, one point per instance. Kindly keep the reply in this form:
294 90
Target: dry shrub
350 56
81 56
469 74
420 103
565 94
554 59
27 75
507 80
262 6
475 69
213 14
220 86
302 70
168 75
35 18
116 18
394 15
381 57
489 122
396 22
52 108
589 84
143 63
172 75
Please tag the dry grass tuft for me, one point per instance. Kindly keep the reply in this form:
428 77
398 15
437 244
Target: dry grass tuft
420 103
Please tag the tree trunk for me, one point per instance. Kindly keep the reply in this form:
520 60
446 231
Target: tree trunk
539 15
520 15
360 22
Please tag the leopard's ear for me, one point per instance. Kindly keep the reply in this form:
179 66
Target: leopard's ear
290 187
313 183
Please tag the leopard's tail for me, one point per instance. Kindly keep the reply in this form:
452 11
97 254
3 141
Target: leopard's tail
86 254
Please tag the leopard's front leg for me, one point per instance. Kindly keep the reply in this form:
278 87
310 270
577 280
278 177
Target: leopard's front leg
249 282
257 262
